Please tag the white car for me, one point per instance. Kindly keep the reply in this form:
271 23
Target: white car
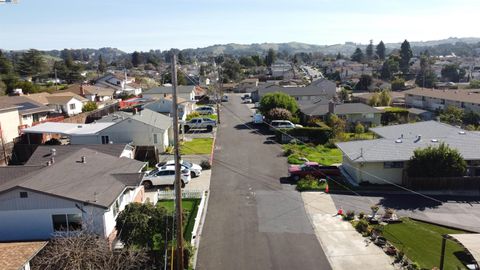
205 110
283 124
195 169
164 176
247 100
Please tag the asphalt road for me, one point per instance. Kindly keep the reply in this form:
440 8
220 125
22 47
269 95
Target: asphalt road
253 220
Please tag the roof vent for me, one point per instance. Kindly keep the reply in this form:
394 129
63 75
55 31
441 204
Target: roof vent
434 140
84 159
462 132
53 152
419 137
398 141
79 126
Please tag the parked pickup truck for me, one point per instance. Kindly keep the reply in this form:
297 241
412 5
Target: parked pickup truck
200 123
296 172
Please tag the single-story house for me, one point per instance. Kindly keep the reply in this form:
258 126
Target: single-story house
247 85
95 93
67 103
30 111
85 189
187 92
352 113
17 255
120 83
382 161
145 128
165 106
318 89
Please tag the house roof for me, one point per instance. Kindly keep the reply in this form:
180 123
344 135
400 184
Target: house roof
340 109
99 181
25 105
11 172
89 90
469 96
181 89
145 116
393 147
68 128
43 153
57 98
319 87
6 106
13 256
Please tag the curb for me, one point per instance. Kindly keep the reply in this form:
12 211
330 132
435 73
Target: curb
200 229
213 147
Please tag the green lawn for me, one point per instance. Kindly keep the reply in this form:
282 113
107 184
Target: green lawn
349 136
197 146
422 243
190 207
319 153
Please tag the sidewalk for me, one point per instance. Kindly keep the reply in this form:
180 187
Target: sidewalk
344 246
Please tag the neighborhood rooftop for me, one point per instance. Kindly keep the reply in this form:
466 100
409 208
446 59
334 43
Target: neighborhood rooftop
462 95
98 181
340 109
13 256
145 116
394 147
25 105
68 128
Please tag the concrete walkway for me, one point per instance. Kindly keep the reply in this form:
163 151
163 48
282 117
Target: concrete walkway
345 248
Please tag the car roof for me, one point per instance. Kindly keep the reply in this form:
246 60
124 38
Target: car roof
281 121
167 168
311 163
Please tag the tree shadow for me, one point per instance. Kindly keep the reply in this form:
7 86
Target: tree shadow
409 202
287 181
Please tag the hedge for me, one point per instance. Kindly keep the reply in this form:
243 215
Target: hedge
305 134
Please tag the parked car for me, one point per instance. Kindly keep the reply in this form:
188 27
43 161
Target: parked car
164 176
200 123
257 118
195 169
245 96
296 172
205 110
283 124
247 100
225 98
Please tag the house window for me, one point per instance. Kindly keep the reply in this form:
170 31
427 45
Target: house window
463 105
23 194
116 208
67 222
369 115
393 165
72 106
155 138
442 101
105 140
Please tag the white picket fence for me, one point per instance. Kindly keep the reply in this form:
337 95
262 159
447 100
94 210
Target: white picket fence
170 194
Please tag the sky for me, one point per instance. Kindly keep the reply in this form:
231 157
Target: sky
156 24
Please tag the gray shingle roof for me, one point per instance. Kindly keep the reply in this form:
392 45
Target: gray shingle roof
181 89
25 104
340 109
392 147
43 153
99 181
146 116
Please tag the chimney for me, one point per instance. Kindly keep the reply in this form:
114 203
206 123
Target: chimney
331 107
84 159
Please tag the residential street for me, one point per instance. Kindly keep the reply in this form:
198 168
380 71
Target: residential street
253 220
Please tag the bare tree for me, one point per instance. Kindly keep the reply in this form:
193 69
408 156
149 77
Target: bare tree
87 251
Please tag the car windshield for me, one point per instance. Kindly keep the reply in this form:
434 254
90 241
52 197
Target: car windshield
153 172
187 164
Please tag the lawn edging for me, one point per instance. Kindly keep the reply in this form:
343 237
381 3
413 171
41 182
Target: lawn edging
213 147
198 227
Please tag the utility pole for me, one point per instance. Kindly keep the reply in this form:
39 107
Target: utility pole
56 85
220 87
178 185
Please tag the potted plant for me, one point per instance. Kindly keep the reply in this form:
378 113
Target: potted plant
374 209
389 213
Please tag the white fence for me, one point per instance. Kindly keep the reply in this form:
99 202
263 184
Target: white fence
170 194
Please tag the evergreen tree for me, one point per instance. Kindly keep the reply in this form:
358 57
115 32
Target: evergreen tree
137 59
405 55
380 50
31 63
357 56
369 51
271 57
102 66
426 77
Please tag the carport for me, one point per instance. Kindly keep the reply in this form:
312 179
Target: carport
471 243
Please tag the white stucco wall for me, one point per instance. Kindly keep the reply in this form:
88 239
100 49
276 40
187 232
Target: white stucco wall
9 122
78 107
372 172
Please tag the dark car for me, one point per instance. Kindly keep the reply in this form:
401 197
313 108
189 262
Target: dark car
296 172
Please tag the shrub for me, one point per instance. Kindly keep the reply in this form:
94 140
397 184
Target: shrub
359 128
278 114
310 183
205 164
441 161
362 226
349 215
398 84
89 106
361 215
192 115
278 100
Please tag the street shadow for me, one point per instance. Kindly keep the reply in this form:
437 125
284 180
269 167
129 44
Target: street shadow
287 181
409 202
